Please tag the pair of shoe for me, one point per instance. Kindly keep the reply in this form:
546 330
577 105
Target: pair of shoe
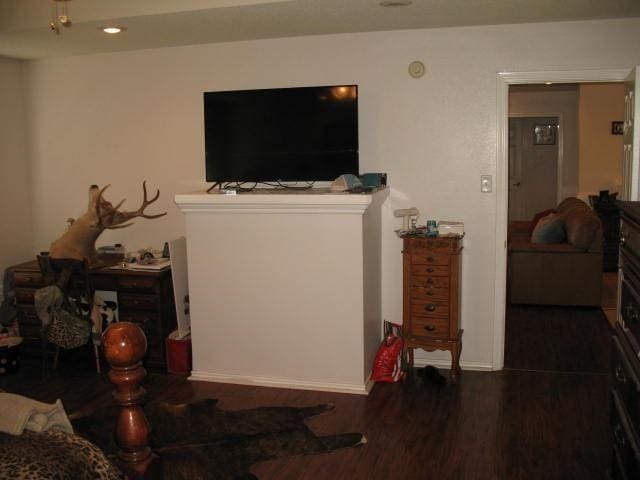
432 374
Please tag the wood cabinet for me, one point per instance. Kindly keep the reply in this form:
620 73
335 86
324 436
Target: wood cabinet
431 296
144 298
625 366
610 218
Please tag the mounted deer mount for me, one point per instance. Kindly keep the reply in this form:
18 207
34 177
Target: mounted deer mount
79 241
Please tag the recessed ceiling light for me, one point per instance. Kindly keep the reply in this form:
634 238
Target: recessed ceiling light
112 30
395 3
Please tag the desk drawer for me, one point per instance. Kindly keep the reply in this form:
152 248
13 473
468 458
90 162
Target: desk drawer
430 259
624 438
429 308
137 283
27 315
429 326
28 279
24 296
630 307
429 292
30 331
624 379
422 245
429 281
137 302
430 270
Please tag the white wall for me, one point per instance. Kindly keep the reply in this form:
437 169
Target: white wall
119 118
600 151
551 101
15 198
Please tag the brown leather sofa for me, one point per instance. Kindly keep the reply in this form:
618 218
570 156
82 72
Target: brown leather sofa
568 273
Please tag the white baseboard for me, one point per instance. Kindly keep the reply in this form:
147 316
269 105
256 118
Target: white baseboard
358 389
475 366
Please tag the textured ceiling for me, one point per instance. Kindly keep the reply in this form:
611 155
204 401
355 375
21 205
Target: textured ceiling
24 31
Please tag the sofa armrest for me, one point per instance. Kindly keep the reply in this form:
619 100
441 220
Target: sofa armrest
560 248
519 227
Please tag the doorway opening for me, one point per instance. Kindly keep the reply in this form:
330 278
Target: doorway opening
567 183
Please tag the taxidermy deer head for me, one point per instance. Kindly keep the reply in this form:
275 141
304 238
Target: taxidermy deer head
79 241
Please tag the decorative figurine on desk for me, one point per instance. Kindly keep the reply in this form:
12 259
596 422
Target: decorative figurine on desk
78 242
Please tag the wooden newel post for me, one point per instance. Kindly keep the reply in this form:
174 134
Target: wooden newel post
124 346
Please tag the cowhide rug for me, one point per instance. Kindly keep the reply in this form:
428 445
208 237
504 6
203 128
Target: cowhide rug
201 441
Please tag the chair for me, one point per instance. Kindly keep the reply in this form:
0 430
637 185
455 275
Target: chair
72 278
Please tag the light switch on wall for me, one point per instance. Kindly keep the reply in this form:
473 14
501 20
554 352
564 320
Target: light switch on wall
486 184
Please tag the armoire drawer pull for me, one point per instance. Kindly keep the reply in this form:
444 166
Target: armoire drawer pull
632 315
618 434
430 270
430 328
430 307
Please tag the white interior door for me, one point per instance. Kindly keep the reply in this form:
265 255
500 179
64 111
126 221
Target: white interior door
533 165
631 158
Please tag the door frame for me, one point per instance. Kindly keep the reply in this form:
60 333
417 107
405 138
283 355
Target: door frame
560 133
504 79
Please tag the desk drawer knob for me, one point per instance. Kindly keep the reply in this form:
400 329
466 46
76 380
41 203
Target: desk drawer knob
430 328
620 376
430 308
430 270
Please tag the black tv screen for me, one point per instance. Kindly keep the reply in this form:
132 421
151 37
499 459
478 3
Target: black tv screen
283 134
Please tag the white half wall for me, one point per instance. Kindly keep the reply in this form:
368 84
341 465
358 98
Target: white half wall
16 241
120 118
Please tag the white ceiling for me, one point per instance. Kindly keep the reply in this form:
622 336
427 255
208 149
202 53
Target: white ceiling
24 30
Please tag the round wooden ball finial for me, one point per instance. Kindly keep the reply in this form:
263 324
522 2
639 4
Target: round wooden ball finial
124 344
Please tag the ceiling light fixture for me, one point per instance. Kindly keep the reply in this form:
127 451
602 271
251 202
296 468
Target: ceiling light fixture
59 15
395 3
112 29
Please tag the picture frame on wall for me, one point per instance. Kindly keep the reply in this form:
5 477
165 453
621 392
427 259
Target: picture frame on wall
617 128
544 134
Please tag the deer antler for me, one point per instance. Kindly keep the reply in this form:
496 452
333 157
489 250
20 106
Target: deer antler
121 217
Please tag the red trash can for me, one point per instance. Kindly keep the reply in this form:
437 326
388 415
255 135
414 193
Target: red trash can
178 354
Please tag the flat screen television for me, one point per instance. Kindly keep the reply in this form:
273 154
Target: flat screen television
283 134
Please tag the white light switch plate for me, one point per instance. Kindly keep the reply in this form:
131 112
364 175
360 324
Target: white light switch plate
486 184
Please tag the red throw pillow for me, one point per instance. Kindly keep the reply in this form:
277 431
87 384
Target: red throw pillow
537 217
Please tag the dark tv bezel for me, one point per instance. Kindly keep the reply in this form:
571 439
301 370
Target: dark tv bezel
356 153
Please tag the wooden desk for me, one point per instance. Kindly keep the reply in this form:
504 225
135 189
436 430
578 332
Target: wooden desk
144 298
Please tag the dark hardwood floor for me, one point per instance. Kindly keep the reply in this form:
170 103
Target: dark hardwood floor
557 339
534 423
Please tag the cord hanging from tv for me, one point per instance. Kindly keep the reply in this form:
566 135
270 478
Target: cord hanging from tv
279 136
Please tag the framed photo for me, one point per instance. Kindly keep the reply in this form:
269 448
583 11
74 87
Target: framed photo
544 134
617 128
